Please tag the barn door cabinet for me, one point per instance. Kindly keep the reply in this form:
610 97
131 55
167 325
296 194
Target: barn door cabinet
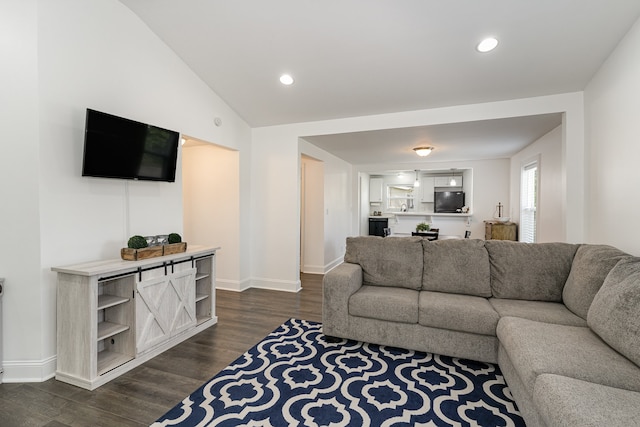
114 315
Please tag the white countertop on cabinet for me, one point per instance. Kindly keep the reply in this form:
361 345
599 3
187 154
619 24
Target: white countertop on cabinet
116 266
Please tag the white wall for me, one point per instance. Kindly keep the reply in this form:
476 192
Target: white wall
63 57
276 177
548 149
211 202
275 211
336 203
612 110
23 317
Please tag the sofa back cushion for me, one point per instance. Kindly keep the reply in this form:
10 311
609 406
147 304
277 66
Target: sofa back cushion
388 261
615 311
458 266
590 267
530 271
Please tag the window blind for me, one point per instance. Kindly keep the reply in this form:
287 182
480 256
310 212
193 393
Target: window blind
529 203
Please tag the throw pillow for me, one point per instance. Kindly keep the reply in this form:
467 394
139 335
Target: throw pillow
590 267
388 261
456 266
615 312
529 271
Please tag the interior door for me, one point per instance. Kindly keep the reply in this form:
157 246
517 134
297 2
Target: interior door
164 306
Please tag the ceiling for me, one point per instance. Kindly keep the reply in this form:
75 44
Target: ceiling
487 139
354 58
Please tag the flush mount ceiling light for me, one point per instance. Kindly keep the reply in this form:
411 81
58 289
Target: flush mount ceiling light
286 79
487 44
423 151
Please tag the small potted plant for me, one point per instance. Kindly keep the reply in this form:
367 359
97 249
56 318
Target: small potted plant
137 242
422 227
138 248
175 244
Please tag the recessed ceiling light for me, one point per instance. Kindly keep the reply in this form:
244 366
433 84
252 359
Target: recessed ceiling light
286 79
487 44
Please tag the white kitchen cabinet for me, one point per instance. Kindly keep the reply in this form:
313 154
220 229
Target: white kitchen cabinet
427 184
375 190
446 181
115 315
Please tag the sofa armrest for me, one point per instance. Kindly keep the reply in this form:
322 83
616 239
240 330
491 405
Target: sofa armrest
337 287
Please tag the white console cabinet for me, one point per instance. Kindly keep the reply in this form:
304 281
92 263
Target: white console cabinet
114 315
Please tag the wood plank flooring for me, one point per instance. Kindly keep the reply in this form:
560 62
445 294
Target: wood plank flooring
142 395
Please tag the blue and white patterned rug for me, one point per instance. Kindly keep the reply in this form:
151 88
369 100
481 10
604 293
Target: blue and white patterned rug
294 377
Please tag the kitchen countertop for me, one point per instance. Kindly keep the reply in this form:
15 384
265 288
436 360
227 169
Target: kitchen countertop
429 214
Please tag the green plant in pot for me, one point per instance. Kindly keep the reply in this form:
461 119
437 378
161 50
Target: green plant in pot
137 242
174 238
422 227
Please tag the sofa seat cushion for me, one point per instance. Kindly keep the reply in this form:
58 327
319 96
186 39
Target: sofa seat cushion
388 261
529 271
459 266
536 348
590 267
540 311
615 312
564 401
385 303
455 312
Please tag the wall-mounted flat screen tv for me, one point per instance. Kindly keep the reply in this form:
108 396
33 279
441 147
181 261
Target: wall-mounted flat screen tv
115 147
448 201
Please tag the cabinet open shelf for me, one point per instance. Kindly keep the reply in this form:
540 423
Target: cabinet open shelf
201 297
108 329
202 319
106 301
107 360
201 276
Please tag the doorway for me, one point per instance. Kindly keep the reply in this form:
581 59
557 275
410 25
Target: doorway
311 215
211 205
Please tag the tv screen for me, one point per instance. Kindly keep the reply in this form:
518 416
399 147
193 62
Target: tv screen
448 201
115 147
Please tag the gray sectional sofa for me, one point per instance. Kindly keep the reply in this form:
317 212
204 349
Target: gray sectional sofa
561 320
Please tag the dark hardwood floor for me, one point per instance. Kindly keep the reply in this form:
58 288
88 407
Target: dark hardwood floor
142 395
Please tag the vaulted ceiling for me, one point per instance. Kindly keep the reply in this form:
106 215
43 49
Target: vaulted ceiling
354 58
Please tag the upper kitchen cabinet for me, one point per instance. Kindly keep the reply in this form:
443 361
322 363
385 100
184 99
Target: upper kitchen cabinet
427 184
375 190
448 181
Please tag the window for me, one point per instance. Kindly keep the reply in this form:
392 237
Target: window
400 197
529 202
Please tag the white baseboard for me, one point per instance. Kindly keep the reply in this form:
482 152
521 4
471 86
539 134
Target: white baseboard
333 264
233 285
29 371
313 269
260 283
276 285
322 269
